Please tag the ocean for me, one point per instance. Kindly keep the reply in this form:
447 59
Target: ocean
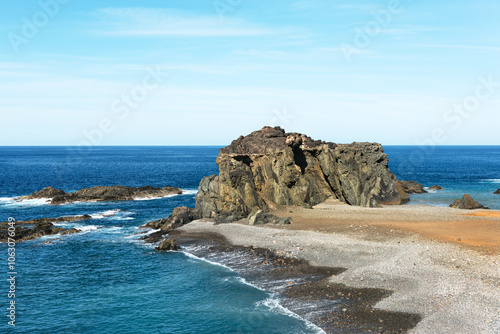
107 280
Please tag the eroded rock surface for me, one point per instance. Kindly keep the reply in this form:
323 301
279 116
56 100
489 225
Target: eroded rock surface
100 193
270 167
467 203
412 187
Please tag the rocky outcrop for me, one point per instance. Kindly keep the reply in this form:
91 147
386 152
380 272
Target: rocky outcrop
180 216
412 187
436 187
99 193
497 192
269 168
49 220
467 203
38 230
167 245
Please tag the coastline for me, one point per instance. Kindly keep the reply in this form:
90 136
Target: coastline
417 264
298 288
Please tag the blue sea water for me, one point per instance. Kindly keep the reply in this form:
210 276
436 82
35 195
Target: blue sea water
473 170
106 280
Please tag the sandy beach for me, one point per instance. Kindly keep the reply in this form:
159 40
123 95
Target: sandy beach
438 262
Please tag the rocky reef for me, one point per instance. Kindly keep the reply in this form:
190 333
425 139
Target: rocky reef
467 203
100 193
271 168
39 227
36 231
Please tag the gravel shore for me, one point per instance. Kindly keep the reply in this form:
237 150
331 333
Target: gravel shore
454 288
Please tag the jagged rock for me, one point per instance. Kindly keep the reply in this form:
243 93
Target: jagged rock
436 187
412 187
38 230
467 203
50 220
497 192
402 193
261 217
47 192
167 245
99 193
270 167
180 216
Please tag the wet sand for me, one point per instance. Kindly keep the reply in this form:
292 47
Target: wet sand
437 263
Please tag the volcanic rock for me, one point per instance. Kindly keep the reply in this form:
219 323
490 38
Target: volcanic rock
38 230
50 220
100 193
167 245
270 167
467 203
261 217
412 187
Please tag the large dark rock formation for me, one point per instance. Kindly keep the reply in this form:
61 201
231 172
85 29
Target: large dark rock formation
99 193
36 231
49 220
412 187
270 167
467 203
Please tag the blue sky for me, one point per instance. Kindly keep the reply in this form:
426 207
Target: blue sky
204 72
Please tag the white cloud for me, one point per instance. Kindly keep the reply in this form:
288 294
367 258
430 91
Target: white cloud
459 46
162 22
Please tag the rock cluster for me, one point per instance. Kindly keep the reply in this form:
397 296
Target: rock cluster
467 203
270 167
100 193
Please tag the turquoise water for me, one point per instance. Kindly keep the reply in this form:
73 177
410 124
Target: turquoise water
106 280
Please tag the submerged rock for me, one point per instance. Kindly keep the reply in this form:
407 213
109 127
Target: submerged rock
100 193
467 203
167 245
412 187
270 167
436 187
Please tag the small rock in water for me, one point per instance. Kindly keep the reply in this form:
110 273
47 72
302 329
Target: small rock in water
167 245
467 203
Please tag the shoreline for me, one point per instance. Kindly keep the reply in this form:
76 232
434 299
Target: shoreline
301 288
453 286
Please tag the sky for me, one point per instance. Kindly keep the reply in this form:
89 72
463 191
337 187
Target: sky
185 72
